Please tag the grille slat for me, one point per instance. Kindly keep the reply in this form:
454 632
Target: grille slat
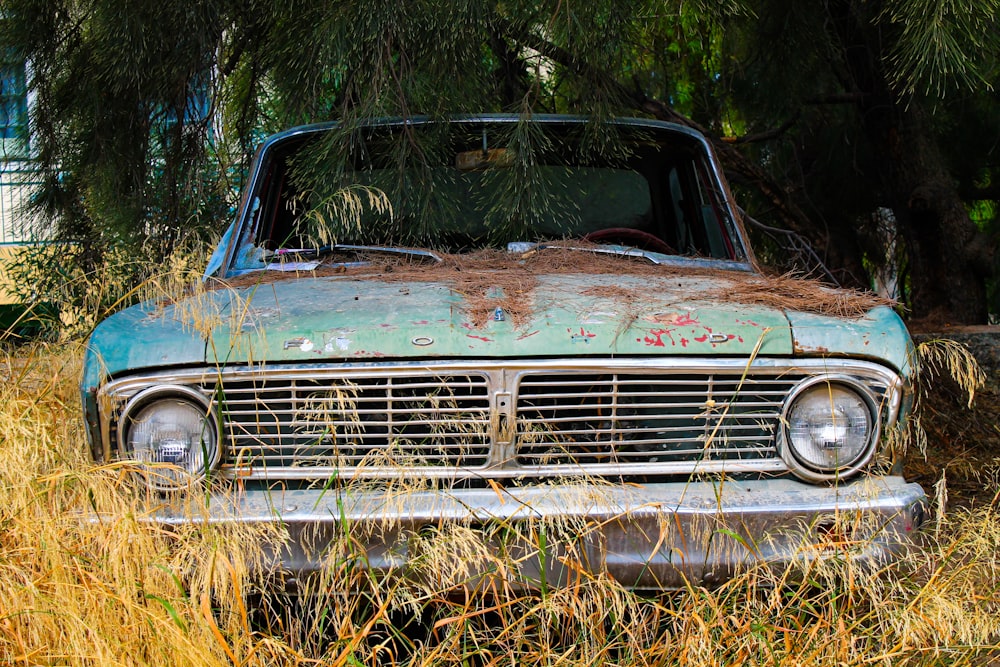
345 421
647 417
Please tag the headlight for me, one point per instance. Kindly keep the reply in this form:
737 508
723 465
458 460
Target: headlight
171 433
830 429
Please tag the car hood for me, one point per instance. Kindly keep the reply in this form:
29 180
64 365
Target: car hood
565 315
312 319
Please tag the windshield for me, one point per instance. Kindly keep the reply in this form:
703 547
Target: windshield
461 187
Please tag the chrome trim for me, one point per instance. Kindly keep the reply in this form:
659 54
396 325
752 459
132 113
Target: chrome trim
656 258
787 450
647 536
503 409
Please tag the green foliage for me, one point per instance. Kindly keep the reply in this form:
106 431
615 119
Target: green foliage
67 297
943 43
129 161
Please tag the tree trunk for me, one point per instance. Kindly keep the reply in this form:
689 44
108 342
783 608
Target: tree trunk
948 257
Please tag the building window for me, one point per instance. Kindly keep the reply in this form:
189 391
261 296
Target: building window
13 101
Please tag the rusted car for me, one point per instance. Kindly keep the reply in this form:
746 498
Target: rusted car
499 321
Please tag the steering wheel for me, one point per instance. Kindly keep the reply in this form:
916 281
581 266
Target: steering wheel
636 237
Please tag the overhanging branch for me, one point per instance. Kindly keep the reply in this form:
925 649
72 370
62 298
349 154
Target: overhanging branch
763 136
732 160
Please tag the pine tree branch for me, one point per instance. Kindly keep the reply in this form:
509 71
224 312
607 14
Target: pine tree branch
732 160
764 136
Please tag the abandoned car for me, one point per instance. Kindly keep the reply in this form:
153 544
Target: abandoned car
498 320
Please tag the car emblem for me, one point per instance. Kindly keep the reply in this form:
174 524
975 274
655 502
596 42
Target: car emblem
303 344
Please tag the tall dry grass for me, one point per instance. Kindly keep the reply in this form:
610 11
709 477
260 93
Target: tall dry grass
74 590
85 581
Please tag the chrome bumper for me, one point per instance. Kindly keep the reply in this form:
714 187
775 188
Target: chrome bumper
651 536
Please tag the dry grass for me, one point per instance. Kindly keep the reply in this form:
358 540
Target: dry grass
957 424
121 591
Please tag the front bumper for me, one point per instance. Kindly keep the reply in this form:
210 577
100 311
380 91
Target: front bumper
649 536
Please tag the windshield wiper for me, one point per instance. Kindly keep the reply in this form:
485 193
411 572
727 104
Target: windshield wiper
528 249
341 247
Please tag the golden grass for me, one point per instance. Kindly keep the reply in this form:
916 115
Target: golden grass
123 592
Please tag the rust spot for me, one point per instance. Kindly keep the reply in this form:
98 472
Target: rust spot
799 348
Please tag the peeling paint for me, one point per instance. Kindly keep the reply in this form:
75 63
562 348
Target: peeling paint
583 336
655 338
675 319
809 349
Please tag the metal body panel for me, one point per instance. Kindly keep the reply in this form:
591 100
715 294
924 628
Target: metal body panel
650 536
880 335
140 337
306 318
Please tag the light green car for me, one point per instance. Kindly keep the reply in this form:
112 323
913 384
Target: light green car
494 321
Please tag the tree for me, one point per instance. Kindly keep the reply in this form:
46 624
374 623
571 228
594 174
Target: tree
890 102
824 113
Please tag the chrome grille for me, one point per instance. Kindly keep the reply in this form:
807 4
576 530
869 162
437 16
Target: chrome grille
628 418
502 418
357 421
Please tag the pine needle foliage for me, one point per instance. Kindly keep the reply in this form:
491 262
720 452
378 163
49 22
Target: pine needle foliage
145 115
940 42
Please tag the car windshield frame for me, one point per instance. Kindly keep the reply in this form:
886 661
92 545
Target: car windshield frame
243 252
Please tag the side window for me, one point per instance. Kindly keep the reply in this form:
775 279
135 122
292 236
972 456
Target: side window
278 224
719 243
697 214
